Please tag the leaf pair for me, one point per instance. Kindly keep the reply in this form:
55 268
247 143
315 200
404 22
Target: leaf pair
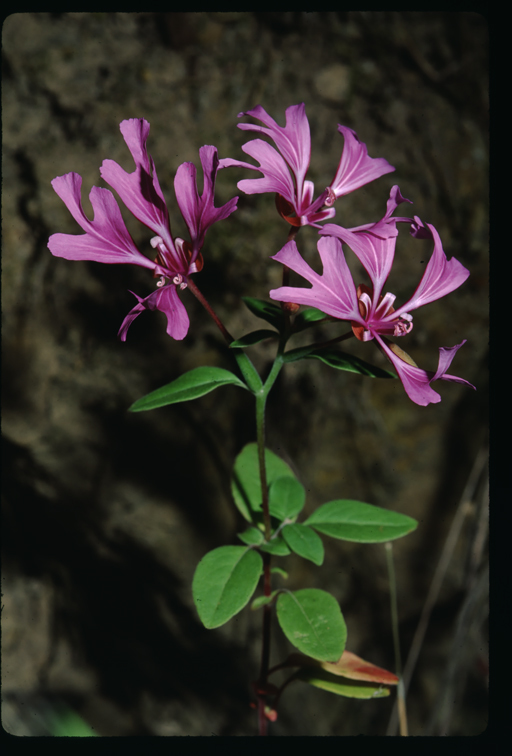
225 580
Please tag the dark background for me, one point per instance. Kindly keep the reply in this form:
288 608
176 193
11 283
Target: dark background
106 514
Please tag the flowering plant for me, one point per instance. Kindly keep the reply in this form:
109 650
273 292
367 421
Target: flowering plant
267 493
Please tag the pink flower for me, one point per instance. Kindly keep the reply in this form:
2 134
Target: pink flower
284 170
107 240
367 308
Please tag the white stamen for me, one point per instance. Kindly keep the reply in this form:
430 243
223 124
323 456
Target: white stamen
155 241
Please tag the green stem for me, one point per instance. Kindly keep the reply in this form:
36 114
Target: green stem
402 714
261 392
247 369
261 401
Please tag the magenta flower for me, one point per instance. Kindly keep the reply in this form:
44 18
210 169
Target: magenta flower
284 170
369 311
107 240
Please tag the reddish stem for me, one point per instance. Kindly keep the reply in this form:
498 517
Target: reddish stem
209 309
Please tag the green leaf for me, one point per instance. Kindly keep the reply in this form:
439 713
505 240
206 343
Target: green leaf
254 338
64 722
223 583
354 521
276 546
191 385
304 542
268 311
307 318
338 360
245 481
252 536
280 572
321 679
263 600
286 497
311 619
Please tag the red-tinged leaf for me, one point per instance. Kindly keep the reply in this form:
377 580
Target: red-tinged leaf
349 665
319 678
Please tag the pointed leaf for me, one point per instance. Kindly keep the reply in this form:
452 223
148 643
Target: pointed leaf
311 619
350 666
286 498
354 521
307 318
223 583
350 363
268 311
254 338
191 385
338 360
245 482
304 542
323 680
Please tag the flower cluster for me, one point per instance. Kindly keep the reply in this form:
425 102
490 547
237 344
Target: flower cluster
107 239
366 306
369 311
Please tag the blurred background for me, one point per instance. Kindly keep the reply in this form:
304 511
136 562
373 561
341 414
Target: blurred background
107 513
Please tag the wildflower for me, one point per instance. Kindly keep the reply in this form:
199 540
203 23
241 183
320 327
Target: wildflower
284 170
107 239
370 311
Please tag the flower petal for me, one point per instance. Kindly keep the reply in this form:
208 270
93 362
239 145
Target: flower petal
293 140
140 191
376 254
356 168
167 301
106 239
441 277
276 176
199 212
416 381
333 292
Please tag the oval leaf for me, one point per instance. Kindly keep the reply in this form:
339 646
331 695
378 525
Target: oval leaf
304 542
223 583
191 385
286 498
331 683
354 521
350 666
311 619
245 482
